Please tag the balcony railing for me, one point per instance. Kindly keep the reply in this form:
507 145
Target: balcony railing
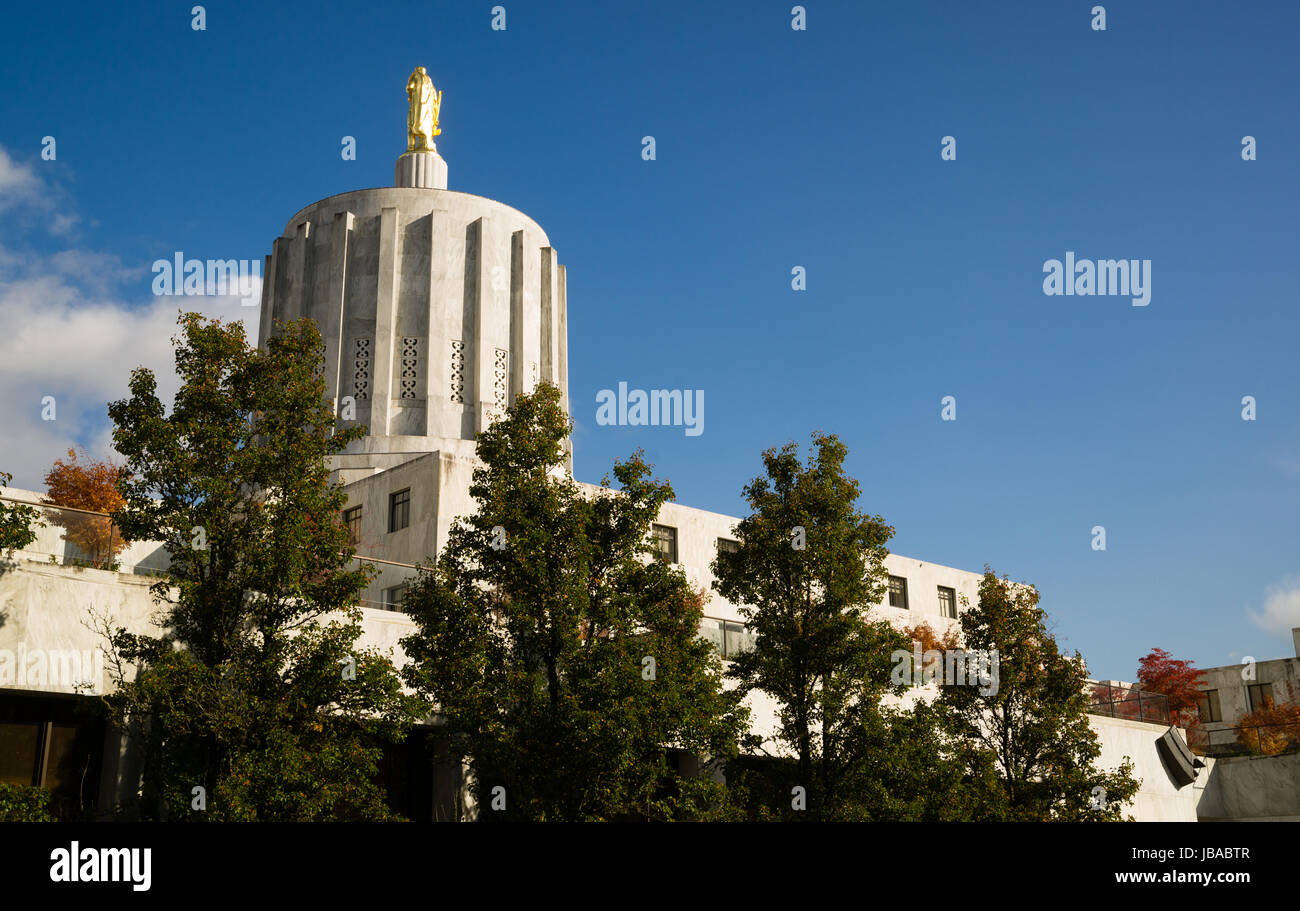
1127 702
1247 740
81 537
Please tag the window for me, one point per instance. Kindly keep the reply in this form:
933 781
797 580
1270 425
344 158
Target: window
736 639
728 637
947 602
1261 696
394 596
665 543
399 510
1207 706
46 743
352 519
898 592
20 744
728 546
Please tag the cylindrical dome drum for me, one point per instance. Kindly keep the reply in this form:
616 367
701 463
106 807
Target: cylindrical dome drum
437 308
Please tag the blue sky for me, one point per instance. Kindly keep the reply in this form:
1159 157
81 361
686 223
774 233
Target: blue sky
775 148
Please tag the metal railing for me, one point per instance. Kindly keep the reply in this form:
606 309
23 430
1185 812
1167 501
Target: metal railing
68 536
1127 702
1247 740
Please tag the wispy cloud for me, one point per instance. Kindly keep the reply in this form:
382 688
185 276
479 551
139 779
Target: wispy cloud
76 322
23 189
1281 611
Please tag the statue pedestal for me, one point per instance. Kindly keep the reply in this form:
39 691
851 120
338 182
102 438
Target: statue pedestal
425 170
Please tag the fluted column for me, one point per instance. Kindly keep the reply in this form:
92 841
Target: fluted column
385 321
332 330
425 170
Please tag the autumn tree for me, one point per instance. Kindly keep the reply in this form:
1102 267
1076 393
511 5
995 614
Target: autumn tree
1179 682
87 484
1273 727
565 661
924 635
1033 723
254 701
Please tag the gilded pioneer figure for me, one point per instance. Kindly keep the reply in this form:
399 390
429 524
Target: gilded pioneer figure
422 117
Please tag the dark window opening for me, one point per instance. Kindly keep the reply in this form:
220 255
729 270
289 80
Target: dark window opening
1207 706
352 521
1261 696
665 543
947 602
898 592
399 510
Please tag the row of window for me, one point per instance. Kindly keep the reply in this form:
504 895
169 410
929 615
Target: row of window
665 545
728 637
399 515
1259 696
664 539
898 597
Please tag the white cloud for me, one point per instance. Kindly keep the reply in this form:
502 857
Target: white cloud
80 350
1281 611
76 323
18 183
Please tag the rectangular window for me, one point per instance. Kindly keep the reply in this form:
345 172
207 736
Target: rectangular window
1261 696
47 742
64 751
736 639
20 746
665 543
898 592
947 602
352 521
713 631
728 637
1207 706
728 546
394 596
399 510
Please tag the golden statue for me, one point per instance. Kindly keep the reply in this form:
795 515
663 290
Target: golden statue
422 117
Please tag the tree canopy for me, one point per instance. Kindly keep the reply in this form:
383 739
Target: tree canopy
566 662
255 691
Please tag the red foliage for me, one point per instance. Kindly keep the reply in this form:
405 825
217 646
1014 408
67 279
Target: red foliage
1177 680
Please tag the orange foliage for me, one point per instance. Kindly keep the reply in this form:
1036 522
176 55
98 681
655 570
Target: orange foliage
1273 729
930 640
91 485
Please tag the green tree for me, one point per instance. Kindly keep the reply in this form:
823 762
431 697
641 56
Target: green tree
565 662
1033 724
907 770
808 568
255 690
18 522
